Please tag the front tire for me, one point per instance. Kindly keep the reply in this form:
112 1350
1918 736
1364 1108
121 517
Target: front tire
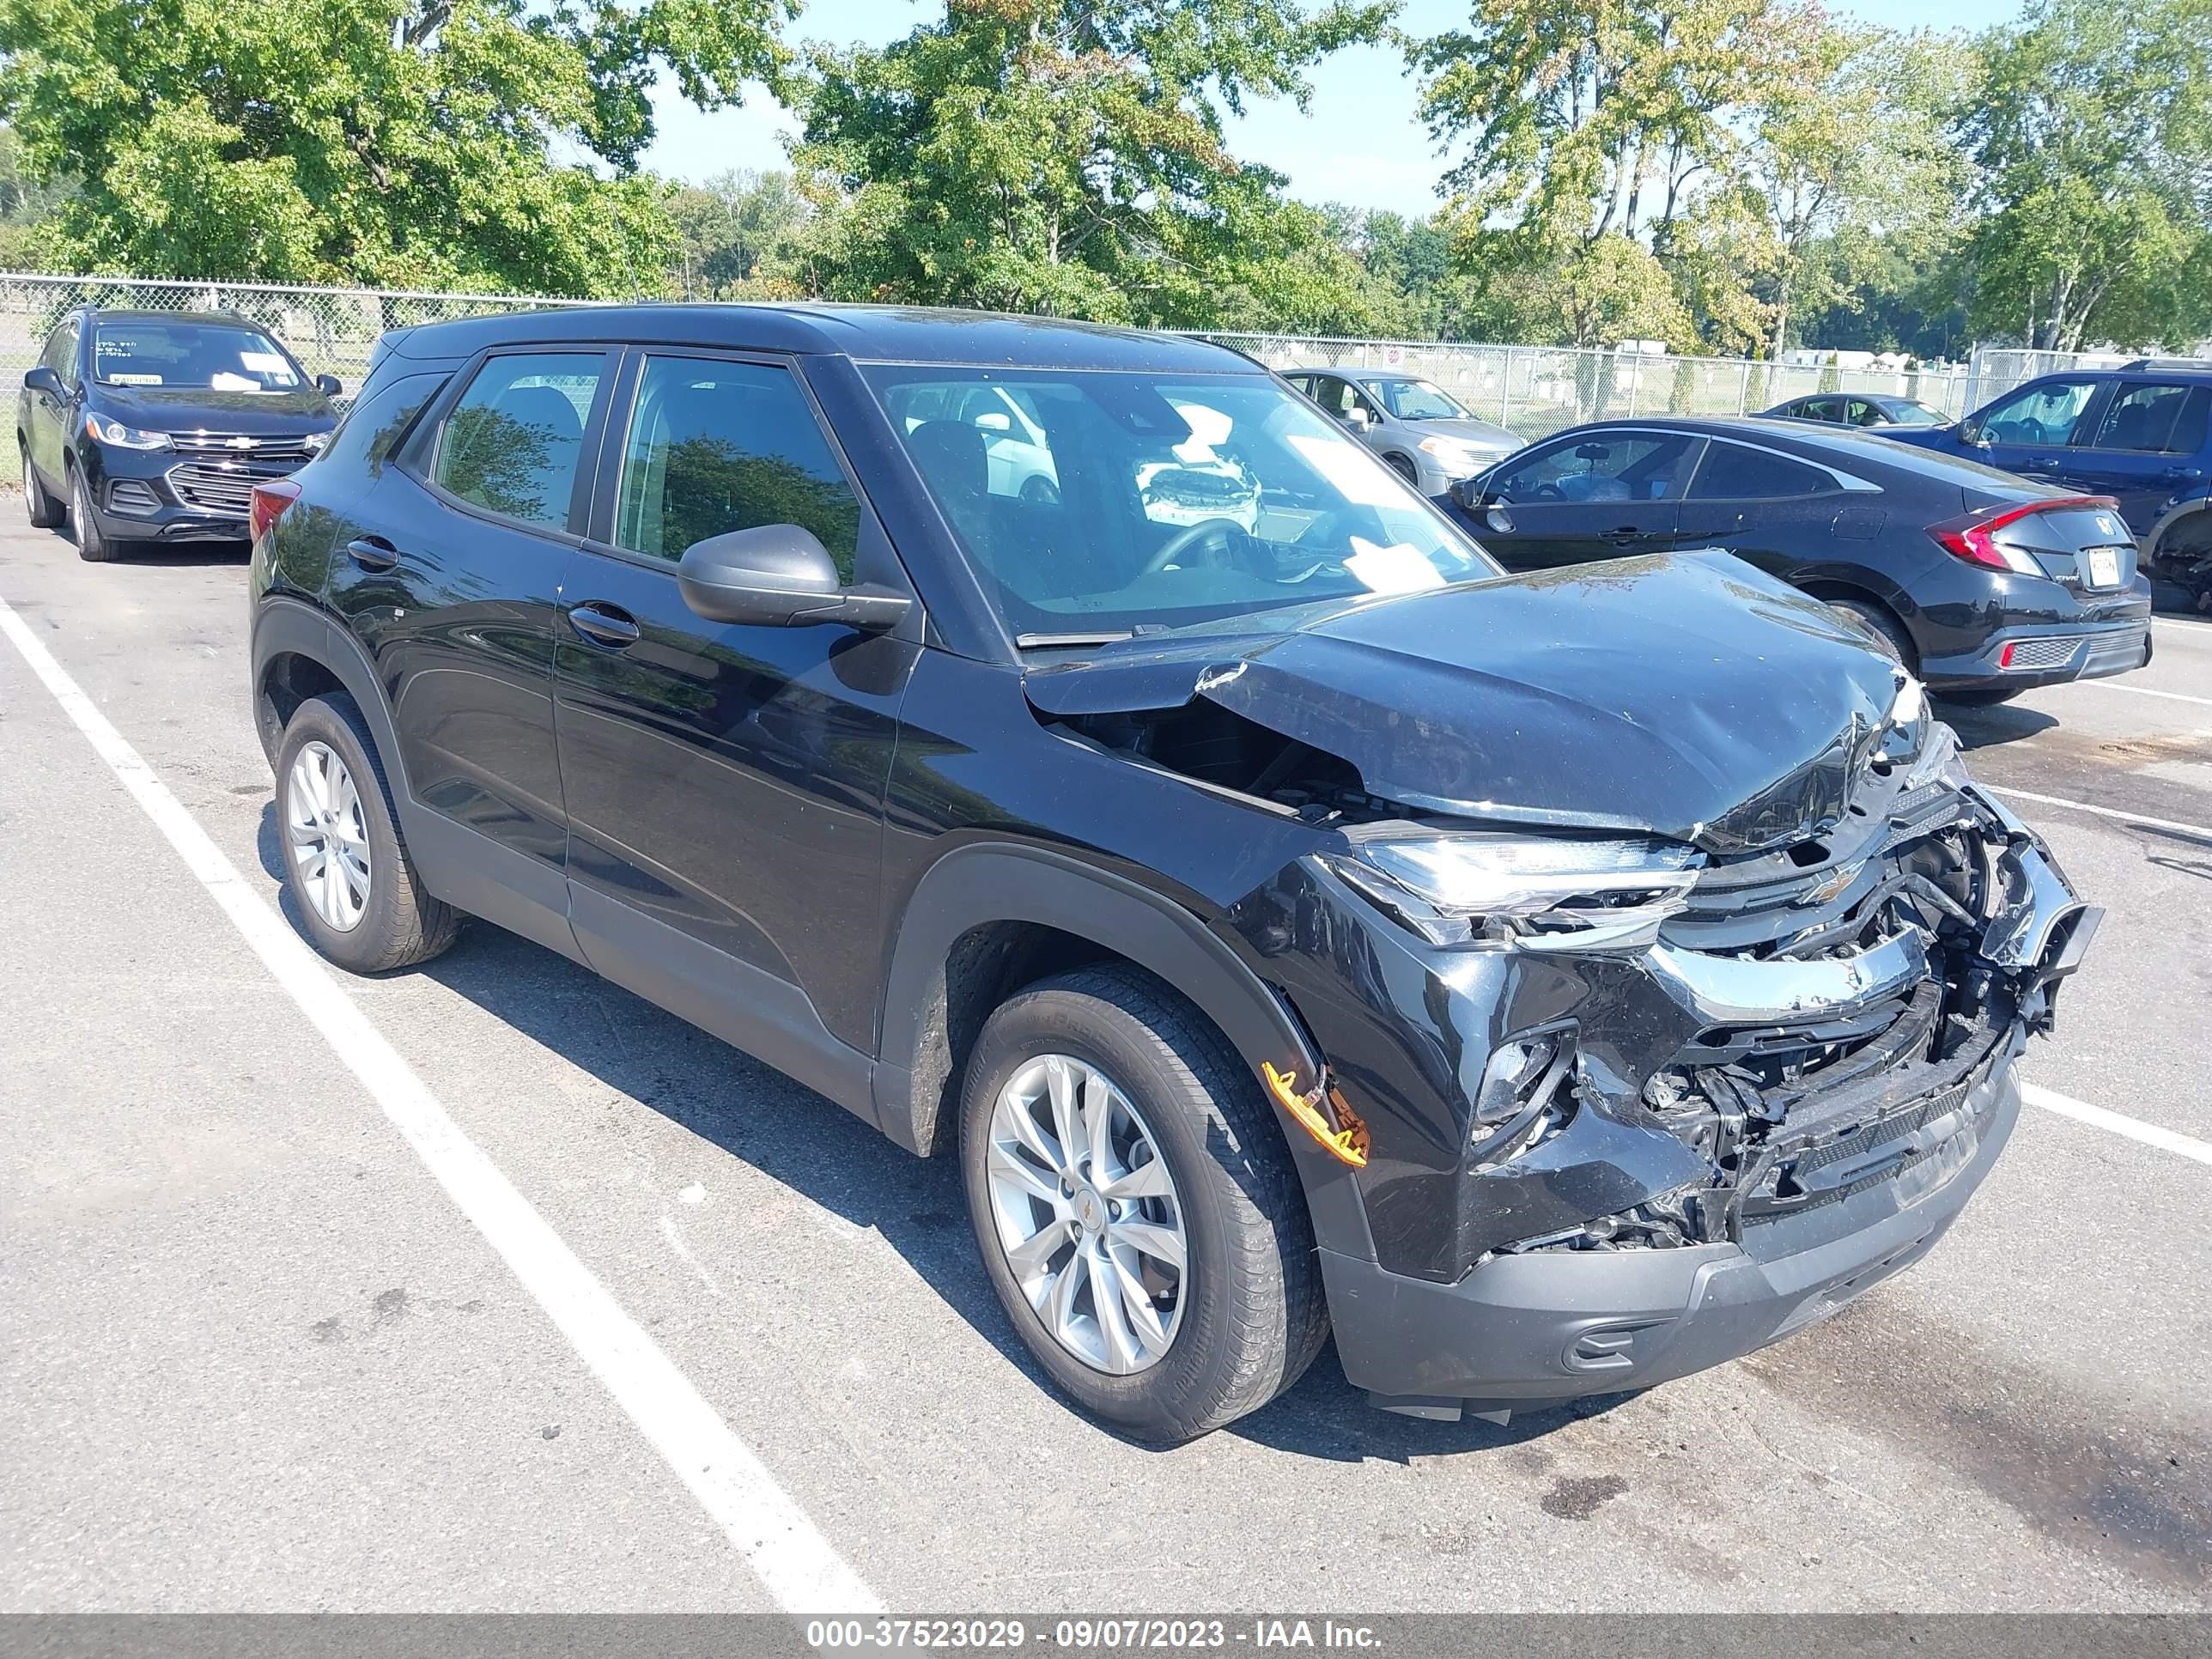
360 900
1163 1272
44 511
93 545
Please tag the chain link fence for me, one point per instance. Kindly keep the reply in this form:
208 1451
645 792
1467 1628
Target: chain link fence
331 330
1532 390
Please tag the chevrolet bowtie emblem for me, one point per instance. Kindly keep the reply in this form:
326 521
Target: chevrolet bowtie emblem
1834 884
241 443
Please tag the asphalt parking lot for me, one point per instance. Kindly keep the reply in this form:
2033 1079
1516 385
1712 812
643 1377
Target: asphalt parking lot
258 1356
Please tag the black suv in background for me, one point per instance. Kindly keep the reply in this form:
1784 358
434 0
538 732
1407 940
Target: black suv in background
1556 984
153 427
1982 584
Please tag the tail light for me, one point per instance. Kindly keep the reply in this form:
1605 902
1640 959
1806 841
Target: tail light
269 500
1972 536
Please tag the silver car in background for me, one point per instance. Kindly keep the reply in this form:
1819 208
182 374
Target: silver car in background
1430 437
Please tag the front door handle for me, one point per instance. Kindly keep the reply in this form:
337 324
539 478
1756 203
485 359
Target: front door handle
1622 535
2181 475
604 624
373 553
2048 463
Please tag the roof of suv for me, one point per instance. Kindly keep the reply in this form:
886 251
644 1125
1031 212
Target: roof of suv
906 334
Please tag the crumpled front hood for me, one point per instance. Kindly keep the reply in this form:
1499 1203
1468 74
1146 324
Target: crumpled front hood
1688 696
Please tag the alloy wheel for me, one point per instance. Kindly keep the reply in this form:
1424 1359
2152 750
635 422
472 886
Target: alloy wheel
1087 1214
328 836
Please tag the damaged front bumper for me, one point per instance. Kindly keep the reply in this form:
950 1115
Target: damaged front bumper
1786 1100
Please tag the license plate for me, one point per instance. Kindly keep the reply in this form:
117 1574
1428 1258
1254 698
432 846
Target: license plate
2104 566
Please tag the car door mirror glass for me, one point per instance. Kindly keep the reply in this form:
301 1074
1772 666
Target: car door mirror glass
330 386
42 379
777 576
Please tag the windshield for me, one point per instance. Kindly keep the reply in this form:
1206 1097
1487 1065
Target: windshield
1906 412
1418 400
205 356
1095 504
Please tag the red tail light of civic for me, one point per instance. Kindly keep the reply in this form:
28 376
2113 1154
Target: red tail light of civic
269 500
1972 536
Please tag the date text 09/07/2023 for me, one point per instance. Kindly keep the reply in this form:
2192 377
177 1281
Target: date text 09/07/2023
1085 1634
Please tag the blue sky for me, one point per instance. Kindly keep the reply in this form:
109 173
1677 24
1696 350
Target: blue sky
1358 143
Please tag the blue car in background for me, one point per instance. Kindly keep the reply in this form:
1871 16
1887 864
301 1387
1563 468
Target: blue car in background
2141 434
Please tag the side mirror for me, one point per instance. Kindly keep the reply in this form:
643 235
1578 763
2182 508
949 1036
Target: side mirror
42 379
1970 432
330 386
778 575
1356 417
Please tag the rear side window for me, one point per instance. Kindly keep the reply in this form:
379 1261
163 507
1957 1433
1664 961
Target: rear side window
1731 472
716 446
514 443
2158 420
1610 468
379 419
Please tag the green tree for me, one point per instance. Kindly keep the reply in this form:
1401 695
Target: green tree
1065 156
2093 133
27 207
737 234
433 142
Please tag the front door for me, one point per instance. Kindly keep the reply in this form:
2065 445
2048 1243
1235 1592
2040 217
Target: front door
1595 495
725 784
52 413
2029 432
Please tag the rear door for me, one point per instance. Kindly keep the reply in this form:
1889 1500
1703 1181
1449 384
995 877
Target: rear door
1588 496
451 582
1772 510
2145 448
725 783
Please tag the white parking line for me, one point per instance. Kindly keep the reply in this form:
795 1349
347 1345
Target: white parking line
2204 830
2117 1123
801 1570
2147 691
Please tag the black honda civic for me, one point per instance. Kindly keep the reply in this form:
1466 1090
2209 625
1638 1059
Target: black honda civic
1071 752
1982 583
153 427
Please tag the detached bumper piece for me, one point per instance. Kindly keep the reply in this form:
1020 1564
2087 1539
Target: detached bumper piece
1854 1010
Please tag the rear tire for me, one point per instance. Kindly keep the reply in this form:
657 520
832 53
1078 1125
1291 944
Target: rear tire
44 511
361 902
1245 1314
93 546
1886 628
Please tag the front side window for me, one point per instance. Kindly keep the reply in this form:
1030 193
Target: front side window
204 357
513 442
61 354
1611 467
1172 500
716 446
2157 420
1419 400
1911 413
2043 414
1734 472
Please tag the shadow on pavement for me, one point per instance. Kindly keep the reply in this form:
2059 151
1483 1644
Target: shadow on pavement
2004 722
817 1149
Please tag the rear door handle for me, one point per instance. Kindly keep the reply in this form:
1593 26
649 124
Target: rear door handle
2181 475
604 624
373 553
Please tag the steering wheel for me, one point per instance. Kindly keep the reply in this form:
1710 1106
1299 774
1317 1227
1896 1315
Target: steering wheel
2028 430
1186 538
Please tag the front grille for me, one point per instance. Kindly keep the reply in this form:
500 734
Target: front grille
221 477
1921 1145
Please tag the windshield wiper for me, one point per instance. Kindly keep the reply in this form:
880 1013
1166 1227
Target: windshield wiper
1052 641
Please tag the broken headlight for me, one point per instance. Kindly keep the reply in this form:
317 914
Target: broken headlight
1536 892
